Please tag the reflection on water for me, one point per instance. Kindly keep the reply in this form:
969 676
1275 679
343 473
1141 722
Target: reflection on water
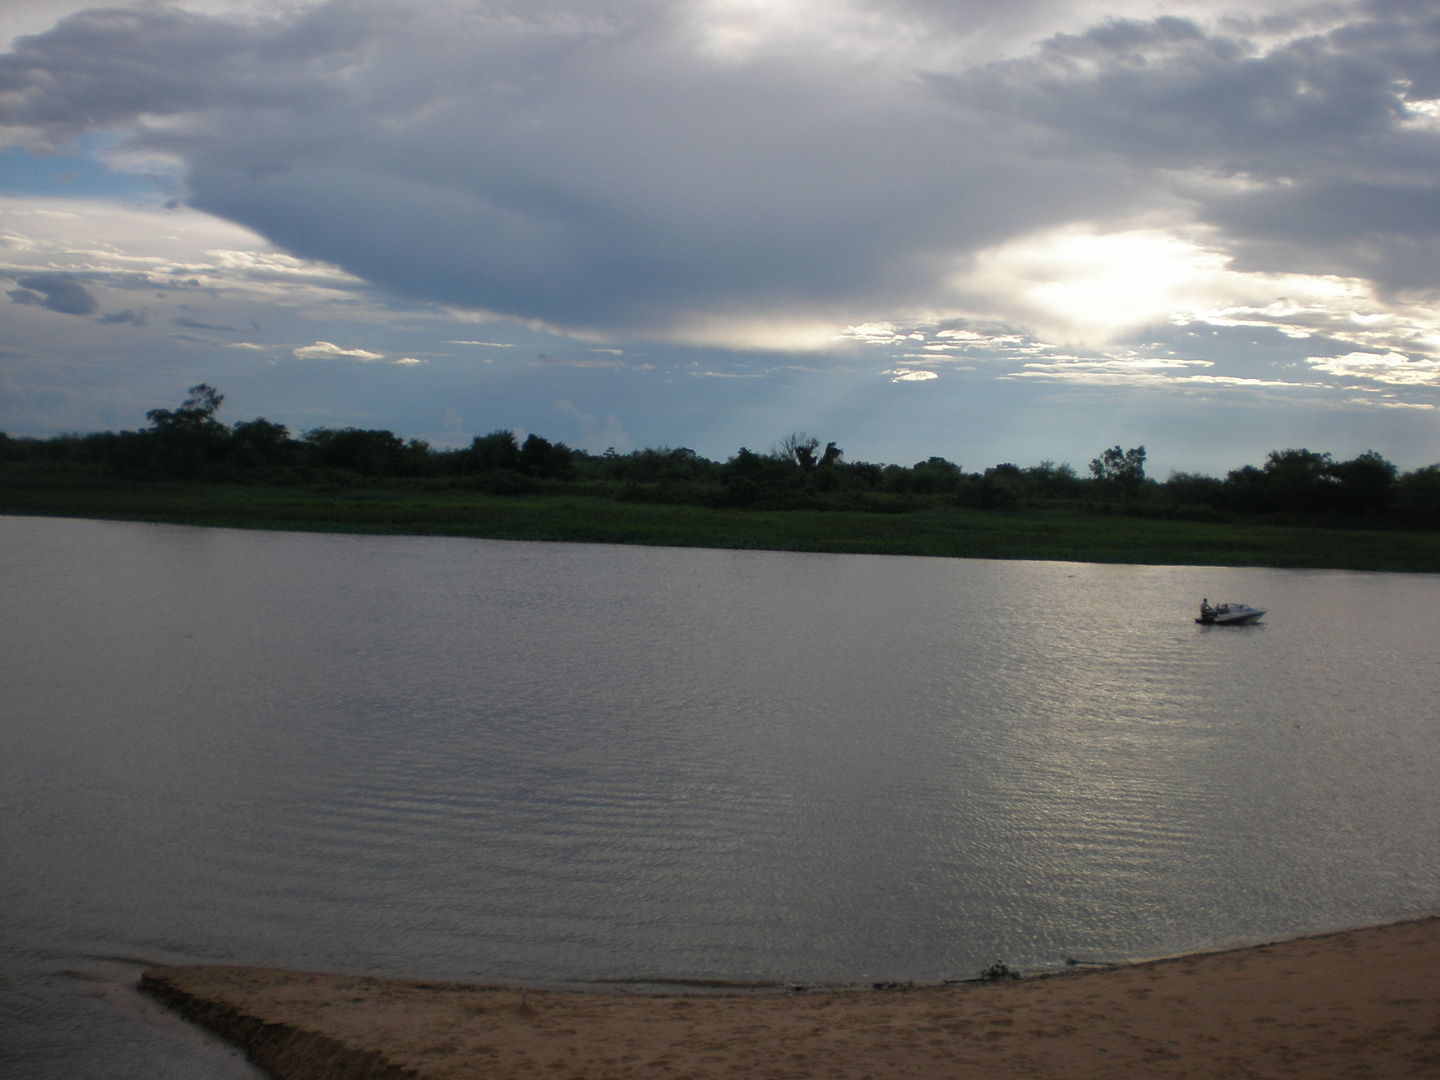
503 761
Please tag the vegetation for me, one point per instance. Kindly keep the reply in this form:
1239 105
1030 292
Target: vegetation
1300 508
999 971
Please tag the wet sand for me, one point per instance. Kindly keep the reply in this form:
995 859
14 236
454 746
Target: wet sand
1362 1003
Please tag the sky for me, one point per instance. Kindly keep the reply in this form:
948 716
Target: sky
989 232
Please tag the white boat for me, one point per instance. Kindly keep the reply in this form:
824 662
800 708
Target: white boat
1228 614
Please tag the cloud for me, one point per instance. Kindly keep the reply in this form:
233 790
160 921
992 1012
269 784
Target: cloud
324 350
1148 373
1393 369
1316 152
546 360
195 324
594 436
1003 185
110 245
761 176
134 318
61 292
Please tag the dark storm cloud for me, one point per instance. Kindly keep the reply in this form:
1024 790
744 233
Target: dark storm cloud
1387 233
106 67
121 318
57 291
195 324
602 165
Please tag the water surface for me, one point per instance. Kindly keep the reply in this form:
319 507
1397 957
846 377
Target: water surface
491 760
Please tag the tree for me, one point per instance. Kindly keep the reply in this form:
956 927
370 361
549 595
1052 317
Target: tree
1244 490
1299 481
1123 470
800 449
365 451
1367 484
1053 480
1419 496
495 451
196 412
182 441
1194 489
748 477
260 442
541 457
935 475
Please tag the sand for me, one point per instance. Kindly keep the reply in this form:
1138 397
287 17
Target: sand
1362 1003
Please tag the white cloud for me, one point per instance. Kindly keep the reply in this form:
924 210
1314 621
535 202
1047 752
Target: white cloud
128 245
1392 369
324 350
1152 376
881 333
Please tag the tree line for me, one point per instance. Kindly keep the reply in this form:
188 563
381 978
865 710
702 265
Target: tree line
189 443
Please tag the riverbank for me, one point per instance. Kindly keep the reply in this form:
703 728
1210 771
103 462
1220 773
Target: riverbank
1356 1003
946 531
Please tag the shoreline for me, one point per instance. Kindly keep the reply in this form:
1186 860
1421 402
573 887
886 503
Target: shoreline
946 533
1362 1002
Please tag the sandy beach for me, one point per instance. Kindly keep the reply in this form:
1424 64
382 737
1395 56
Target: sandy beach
1361 1003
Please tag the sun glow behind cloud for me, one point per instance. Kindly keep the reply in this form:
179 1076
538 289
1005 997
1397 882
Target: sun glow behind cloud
1073 284
1092 288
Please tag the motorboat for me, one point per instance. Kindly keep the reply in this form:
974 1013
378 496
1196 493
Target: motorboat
1228 614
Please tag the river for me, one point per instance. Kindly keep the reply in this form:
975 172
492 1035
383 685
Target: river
556 763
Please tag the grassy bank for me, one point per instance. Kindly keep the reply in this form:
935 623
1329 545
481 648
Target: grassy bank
937 530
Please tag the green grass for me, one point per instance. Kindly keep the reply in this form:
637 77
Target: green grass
936 531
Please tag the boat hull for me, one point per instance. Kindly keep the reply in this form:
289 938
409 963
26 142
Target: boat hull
1231 615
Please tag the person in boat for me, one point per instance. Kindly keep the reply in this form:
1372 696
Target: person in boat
1205 609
